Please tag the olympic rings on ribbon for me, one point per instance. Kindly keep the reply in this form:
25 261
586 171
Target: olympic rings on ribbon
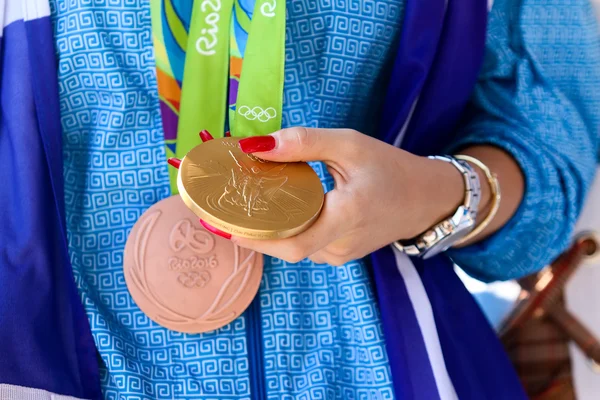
258 113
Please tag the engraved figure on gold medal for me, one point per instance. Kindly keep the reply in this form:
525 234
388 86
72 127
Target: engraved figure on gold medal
251 188
253 191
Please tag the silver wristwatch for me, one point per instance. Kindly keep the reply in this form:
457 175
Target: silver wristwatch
444 234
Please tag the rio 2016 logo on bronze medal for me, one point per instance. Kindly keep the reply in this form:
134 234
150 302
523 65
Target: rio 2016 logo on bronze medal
246 196
184 277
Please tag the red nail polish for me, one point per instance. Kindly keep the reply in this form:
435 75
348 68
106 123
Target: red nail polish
175 162
227 134
257 144
205 136
214 230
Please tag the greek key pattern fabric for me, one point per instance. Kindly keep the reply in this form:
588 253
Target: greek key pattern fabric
321 328
115 168
546 56
335 52
322 334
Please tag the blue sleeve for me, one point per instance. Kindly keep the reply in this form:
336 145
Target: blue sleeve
538 98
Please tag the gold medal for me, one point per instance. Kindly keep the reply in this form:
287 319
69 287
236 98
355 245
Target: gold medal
184 277
246 196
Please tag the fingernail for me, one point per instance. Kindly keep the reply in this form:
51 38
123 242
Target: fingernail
205 136
227 134
214 230
175 162
257 144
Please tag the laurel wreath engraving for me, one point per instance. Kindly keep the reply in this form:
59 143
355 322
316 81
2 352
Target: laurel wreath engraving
217 312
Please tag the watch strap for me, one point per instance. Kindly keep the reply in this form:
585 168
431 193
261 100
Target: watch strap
445 233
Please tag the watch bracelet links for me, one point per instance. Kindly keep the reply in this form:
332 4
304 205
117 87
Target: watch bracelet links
466 214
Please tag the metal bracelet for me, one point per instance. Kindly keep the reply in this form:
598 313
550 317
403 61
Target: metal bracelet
445 233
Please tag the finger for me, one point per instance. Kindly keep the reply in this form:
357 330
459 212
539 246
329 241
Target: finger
329 226
174 162
205 136
214 230
304 144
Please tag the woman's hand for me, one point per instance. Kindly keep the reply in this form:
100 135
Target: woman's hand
382 194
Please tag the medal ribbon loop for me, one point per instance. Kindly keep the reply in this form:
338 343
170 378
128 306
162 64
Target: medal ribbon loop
205 91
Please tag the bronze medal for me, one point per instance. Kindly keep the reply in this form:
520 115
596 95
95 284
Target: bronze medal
246 196
184 277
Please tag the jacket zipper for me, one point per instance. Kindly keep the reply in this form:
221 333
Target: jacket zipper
255 350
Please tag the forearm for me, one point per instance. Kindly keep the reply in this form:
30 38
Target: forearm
544 117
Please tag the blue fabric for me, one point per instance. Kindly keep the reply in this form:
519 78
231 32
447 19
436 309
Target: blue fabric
419 40
464 332
322 329
537 98
409 361
115 169
322 332
45 341
322 335
450 79
434 46
474 357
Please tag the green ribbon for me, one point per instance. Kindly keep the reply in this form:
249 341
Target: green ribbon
206 74
260 95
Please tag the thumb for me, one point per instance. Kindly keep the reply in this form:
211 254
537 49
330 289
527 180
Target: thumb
301 144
